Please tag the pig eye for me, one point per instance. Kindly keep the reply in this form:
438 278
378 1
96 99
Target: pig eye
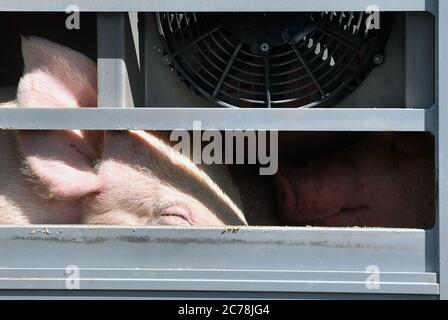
175 214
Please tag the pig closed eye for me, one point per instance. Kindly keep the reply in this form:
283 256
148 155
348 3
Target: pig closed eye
175 214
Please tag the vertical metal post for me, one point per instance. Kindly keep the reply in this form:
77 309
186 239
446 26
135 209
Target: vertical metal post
442 142
420 38
120 80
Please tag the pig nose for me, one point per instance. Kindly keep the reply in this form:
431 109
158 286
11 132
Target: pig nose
287 198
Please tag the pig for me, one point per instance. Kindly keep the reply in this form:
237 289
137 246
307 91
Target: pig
382 180
89 177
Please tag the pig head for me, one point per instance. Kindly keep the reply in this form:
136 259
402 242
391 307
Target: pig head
115 177
383 180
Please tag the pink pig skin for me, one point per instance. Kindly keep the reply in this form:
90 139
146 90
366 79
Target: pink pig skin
384 180
122 178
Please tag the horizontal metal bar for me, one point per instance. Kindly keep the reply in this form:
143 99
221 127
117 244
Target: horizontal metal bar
218 259
154 275
217 5
205 280
250 249
410 120
30 294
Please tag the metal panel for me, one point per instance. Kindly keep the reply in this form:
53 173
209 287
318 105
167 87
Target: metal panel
410 120
250 259
419 60
120 81
204 280
218 5
164 87
195 259
442 86
195 295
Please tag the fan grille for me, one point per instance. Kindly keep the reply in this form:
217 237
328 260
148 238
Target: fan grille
272 60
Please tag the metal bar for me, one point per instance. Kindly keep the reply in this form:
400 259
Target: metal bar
358 26
22 275
195 41
307 68
30 294
217 5
350 20
341 17
420 62
268 81
226 71
442 83
347 41
120 79
234 281
218 259
294 249
408 120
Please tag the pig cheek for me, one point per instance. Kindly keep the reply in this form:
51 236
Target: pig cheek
115 217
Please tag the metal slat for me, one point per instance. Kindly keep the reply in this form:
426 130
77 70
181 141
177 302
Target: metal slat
442 138
217 5
293 249
120 80
408 120
171 280
196 295
217 259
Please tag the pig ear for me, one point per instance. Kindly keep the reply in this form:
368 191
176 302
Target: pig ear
60 163
55 76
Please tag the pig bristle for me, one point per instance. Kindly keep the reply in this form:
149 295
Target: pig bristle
189 166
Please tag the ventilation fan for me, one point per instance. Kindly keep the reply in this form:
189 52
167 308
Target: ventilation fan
273 59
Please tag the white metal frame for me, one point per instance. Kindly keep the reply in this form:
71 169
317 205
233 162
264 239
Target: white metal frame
249 260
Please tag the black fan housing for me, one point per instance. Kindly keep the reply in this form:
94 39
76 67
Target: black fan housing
273 59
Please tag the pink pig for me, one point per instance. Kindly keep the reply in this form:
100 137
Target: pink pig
118 177
383 180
